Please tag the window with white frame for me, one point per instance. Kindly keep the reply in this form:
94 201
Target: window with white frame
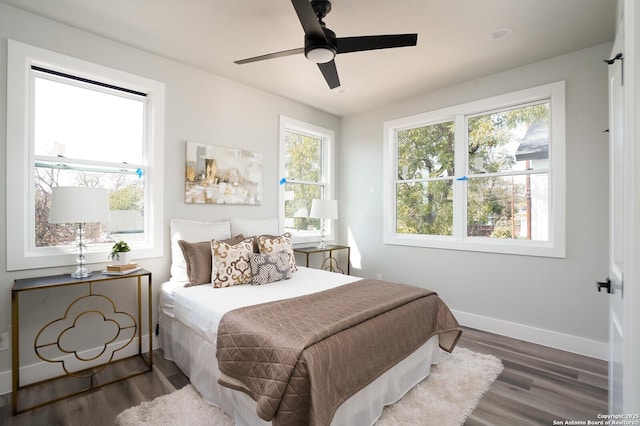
306 169
83 125
484 176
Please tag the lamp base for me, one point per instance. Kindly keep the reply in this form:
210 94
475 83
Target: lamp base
322 244
81 272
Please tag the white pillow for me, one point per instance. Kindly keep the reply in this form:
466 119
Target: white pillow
193 232
255 227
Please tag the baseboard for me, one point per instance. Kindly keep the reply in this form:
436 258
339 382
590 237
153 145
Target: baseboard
553 339
41 370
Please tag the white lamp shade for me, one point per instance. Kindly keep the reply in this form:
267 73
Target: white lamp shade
73 204
324 209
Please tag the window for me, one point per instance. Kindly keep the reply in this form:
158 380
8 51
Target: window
483 176
306 168
83 125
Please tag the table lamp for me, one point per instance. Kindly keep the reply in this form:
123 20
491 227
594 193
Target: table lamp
323 209
73 204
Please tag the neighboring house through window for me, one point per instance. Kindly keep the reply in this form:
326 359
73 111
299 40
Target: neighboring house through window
83 125
306 170
483 176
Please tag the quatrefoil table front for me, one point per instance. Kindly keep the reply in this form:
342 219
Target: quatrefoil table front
87 337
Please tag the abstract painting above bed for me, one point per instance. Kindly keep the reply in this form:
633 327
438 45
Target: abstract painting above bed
222 175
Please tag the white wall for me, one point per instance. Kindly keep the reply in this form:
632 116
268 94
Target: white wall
199 106
552 301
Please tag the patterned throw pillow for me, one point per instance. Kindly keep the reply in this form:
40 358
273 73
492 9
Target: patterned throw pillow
277 244
268 268
230 263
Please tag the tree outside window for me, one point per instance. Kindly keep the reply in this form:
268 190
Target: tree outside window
303 170
425 180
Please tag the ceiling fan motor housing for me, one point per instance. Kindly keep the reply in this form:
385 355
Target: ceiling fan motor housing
313 46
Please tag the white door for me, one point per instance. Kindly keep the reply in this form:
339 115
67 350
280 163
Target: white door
616 224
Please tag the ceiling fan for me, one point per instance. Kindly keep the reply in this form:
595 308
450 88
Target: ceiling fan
321 44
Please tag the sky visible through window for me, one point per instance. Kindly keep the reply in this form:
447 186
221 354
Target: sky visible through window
75 122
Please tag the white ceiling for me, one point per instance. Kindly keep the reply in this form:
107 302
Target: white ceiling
454 40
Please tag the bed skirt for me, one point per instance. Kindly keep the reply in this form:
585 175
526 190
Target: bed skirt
196 357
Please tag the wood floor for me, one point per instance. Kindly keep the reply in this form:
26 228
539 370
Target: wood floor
538 385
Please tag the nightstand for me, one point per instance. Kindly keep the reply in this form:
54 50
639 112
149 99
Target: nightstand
330 263
57 343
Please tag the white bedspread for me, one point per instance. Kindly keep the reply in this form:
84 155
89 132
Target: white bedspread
202 307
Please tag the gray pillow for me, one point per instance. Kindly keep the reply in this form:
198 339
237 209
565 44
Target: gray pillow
268 268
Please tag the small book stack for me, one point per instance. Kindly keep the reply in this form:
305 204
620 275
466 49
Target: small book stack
121 269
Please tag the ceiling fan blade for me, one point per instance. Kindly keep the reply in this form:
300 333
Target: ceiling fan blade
358 44
330 73
271 56
308 19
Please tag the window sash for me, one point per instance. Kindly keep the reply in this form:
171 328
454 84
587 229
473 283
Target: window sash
87 165
130 156
324 181
553 247
319 162
69 166
69 78
117 226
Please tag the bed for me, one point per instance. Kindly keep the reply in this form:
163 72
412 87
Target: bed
199 328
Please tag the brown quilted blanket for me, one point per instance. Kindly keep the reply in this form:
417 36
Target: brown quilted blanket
300 358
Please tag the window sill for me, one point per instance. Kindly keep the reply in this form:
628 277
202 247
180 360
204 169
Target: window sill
59 257
479 244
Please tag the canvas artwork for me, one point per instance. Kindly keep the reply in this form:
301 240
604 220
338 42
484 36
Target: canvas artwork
222 175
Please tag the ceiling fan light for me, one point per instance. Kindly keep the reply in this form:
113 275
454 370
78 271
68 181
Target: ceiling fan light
320 55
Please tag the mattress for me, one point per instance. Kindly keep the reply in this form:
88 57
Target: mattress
166 300
189 318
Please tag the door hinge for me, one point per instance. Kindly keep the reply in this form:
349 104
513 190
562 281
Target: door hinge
613 60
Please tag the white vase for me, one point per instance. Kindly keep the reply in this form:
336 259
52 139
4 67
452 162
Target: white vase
122 258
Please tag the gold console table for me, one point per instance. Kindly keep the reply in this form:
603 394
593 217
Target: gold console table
330 263
55 340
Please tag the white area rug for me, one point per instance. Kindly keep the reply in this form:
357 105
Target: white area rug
446 397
